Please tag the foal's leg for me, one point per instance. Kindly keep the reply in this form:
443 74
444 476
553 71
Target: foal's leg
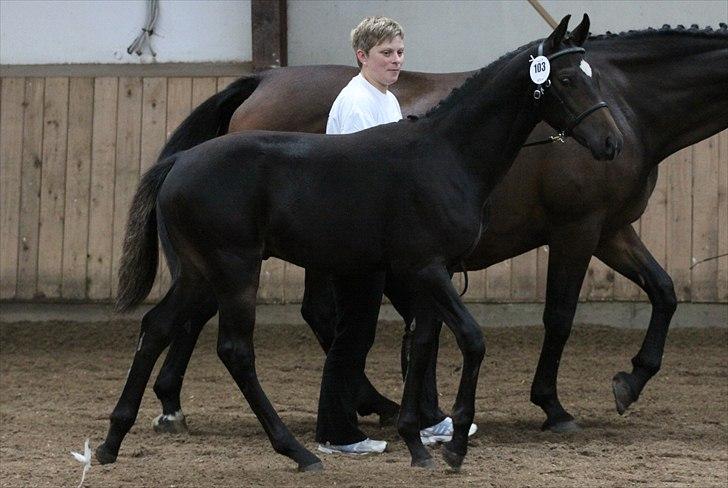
158 326
400 293
319 310
236 285
169 380
438 298
626 254
570 250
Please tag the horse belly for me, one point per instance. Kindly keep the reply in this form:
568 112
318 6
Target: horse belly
325 236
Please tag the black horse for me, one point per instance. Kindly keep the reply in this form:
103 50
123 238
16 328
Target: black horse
666 88
405 197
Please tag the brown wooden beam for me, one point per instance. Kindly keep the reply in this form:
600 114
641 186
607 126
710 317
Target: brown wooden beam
270 34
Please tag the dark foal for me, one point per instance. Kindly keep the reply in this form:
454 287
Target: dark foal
555 195
414 206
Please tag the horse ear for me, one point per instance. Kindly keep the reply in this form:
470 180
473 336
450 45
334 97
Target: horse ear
558 34
581 32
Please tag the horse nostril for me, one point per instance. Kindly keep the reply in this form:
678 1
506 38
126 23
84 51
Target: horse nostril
611 147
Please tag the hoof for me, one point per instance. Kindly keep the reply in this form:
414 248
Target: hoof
318 466
104 456
566 427
427 463
453 459
623 394
170 424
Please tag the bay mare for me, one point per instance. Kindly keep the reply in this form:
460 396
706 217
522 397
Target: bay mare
667 89
407 197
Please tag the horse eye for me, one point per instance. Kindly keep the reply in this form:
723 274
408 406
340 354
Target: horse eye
565 80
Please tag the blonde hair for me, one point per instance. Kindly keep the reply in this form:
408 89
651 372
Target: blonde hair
373 31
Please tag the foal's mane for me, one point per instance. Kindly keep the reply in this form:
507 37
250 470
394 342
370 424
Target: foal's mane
457 94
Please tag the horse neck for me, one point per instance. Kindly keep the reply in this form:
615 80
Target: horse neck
491 120
670 85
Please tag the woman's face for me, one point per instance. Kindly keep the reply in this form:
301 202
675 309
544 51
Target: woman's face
382 65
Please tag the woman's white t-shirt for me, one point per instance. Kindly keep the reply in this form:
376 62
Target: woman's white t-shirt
360 106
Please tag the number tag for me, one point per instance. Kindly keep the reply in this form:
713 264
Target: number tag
586 68
540 69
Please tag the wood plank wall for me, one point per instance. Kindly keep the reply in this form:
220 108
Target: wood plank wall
72 151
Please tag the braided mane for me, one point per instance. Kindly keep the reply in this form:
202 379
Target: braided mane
666 29
457 93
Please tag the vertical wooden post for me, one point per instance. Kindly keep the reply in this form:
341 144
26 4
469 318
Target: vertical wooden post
270 34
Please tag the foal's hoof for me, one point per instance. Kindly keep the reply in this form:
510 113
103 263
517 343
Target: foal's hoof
624 396
317 466
427 463
104 455
564 427
170 423
453 459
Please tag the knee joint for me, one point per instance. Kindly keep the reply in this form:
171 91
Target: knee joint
235 355
473 343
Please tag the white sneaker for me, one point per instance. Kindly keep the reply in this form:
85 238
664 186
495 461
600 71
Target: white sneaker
367 446
442 432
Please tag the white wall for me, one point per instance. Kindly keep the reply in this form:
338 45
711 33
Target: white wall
99 31
462 35
440 35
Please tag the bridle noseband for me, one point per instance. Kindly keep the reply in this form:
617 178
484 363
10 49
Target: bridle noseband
541 90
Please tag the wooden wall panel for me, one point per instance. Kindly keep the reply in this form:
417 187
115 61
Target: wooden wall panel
476 286
101 208
30 190
12 98
154 133
72 151
705 220
679 220
126 177
78 181
498 282
53 188
723 217
524 279
202 89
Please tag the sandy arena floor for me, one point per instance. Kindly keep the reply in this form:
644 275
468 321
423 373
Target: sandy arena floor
59 382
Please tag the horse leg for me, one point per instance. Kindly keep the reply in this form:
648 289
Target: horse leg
236 285
320 312
570 250
626 254
438 298
399 293
169 380
158 326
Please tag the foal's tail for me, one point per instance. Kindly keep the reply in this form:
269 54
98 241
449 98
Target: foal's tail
140 253
209 120
138 266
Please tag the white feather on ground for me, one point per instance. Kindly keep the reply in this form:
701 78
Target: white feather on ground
85 459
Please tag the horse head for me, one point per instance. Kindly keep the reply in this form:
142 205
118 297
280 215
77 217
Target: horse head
568 96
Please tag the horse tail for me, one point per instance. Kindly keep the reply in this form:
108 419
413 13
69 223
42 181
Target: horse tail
138 266
211 118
